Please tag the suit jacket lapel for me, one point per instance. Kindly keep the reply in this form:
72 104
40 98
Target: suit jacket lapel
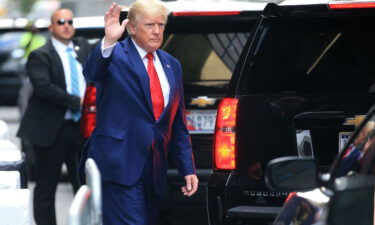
140 70
58 65
79 51
169 73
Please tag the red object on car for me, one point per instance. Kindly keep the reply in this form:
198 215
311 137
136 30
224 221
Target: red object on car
225 135
351 5
88 119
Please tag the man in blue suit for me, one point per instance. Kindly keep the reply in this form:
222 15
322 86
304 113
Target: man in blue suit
140 115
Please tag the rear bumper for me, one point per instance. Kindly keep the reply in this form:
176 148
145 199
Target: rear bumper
253 212
232 199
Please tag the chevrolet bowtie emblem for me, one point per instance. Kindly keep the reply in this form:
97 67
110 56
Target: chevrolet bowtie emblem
203 101
354 121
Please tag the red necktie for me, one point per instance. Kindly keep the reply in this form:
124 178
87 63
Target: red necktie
155 87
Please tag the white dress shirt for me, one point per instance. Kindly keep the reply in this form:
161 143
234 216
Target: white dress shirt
61 50
165 87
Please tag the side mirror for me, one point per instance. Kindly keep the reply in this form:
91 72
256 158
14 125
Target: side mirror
292 174
353 201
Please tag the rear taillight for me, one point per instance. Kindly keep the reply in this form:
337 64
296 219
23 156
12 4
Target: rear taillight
88 119
351 5
225 135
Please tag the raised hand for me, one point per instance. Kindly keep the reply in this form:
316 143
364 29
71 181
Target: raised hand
113 29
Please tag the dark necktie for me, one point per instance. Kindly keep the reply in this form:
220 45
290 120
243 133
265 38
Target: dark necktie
73 80
155 87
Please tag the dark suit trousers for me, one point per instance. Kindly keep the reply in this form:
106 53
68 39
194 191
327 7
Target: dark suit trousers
131 205
49 161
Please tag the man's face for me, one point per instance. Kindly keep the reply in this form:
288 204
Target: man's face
62 25
148 32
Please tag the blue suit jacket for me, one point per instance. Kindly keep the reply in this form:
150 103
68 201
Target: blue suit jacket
126 127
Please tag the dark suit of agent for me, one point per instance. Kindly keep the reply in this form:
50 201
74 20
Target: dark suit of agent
51 120
140 116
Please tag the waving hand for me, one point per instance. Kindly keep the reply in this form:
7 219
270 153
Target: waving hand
113 29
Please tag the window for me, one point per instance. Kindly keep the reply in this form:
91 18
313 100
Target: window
314 56
206 57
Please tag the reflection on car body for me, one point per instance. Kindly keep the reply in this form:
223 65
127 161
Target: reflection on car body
300 211
346 177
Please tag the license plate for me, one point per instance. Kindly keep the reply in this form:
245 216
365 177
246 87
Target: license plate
343 139
201 121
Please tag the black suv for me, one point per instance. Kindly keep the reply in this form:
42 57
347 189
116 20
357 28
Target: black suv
304 78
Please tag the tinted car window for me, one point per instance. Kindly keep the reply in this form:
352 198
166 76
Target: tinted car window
206 57
326 56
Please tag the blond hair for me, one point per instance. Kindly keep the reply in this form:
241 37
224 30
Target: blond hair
153 8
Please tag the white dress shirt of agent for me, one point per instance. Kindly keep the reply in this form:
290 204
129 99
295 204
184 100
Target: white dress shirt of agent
138 202
62 50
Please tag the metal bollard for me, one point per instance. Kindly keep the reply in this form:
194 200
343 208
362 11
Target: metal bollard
80 209
93 181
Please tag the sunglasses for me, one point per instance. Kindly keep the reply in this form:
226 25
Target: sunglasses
63 21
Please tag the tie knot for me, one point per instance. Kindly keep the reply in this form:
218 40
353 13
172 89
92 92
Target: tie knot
150 56
69 50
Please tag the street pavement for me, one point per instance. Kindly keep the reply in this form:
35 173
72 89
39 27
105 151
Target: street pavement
64 194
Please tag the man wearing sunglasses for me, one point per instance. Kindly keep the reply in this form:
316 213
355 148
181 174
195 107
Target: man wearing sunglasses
51 120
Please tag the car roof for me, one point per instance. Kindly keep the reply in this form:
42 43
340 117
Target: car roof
223 5
319 8
302 2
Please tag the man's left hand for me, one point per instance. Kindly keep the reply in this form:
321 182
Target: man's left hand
191 185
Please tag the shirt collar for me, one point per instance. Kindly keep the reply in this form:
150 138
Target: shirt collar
59 46
141 51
